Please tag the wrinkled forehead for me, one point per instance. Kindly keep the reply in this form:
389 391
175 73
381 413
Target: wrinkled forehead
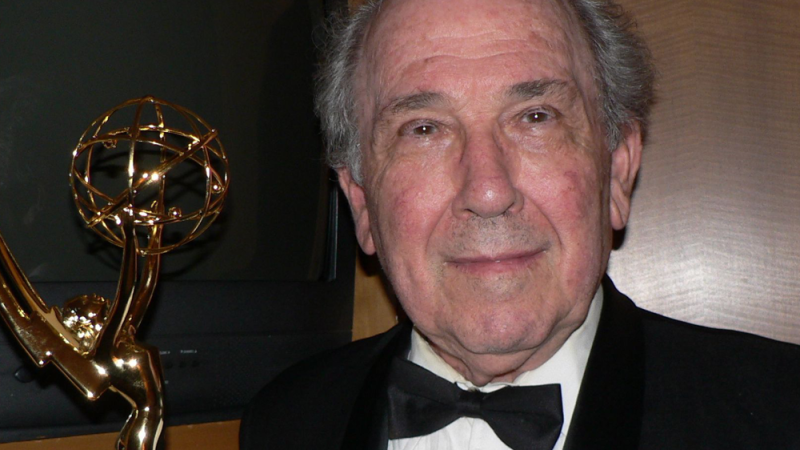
431 19
471 29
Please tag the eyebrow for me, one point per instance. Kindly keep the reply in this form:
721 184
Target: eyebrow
413 102
537 88
404 104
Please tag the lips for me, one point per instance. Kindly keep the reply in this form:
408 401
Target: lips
495 264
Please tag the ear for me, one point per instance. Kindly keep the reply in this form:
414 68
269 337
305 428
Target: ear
358 206
625 162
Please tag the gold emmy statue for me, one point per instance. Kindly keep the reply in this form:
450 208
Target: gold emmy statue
91 339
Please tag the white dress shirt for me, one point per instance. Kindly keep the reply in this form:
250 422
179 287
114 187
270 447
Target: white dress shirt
565 367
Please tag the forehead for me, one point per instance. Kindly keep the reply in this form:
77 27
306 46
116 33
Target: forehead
409 20
412 41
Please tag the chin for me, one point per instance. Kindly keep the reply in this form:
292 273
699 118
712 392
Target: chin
490 336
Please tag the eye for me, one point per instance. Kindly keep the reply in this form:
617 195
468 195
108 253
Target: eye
536 116
418 129
424 130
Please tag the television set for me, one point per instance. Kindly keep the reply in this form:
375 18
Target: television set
269 283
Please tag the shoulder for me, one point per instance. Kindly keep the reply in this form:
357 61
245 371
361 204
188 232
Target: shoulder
714 349
315 394
720 384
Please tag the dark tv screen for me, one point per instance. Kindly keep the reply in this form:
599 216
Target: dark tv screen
269 283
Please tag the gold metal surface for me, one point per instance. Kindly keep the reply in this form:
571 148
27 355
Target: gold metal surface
91 339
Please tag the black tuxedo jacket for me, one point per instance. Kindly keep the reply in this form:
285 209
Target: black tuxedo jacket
650 383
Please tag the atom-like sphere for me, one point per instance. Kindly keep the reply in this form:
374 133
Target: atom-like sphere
154 164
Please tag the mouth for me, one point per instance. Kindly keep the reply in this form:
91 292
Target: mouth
483 265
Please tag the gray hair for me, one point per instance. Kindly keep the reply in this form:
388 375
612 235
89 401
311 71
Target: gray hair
623 73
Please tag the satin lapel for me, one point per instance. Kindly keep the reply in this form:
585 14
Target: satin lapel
367 428
608 414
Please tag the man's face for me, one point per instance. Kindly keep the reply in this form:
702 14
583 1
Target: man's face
489 193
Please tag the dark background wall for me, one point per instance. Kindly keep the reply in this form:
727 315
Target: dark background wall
257 291
245 67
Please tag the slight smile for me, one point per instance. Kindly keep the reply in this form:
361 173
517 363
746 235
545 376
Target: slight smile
495 264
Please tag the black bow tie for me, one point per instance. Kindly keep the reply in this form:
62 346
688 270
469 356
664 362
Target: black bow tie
523 417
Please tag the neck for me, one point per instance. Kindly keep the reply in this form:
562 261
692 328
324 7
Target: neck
455 363
481 369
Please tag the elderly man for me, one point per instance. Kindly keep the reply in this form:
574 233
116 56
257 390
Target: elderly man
488 150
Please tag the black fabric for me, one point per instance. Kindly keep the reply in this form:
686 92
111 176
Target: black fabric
651 383
608 411
332 401
421 402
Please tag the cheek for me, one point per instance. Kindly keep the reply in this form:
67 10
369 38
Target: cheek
580 195
567 190
581 222
410 204
569 197
410 208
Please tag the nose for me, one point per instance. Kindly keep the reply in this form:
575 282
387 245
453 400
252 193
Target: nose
487 186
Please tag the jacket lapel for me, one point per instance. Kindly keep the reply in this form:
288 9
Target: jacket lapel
608 413
367 427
